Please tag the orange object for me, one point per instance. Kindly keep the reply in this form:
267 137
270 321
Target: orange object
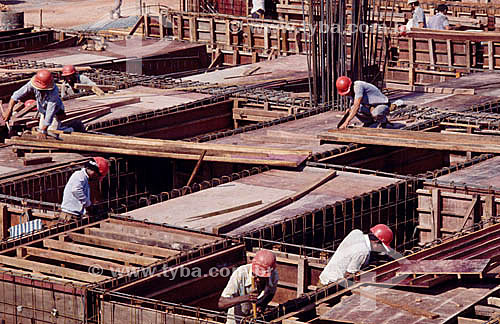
68 70
343 85
263 263
43 80
383 233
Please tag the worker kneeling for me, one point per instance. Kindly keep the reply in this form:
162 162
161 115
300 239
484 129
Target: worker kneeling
370 105
354 252
76 196
49 103
253 283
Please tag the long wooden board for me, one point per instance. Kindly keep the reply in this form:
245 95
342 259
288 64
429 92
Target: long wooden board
474 266
422 140
168 149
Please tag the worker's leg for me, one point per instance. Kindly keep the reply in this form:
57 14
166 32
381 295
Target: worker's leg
379 114
365 116
116 9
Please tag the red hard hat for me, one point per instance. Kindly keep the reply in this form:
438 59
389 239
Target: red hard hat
43 80
30 102
103 166
343 85
383 233
68 70
263 263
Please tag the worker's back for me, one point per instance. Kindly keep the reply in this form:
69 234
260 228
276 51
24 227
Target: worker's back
350 255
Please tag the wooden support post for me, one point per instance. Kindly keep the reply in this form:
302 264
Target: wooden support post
450 53
470 211
432 59
180 30
468 62
192 29
266 38
301 276
211 29
41 18
162 27
436 214
297 41
196 168
228 33
236 54
490 207
250 38
491 57
4 221
146 25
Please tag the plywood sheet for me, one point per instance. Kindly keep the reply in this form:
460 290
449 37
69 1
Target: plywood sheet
361 310
268 186
483 174
476 266
75 59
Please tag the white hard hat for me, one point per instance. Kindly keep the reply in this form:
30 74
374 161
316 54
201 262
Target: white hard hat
412 1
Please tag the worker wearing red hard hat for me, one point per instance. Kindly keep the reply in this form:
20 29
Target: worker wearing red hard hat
354 252
238 295
49 103
76 196
370 105
71 77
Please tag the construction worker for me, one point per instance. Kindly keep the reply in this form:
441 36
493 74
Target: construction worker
370 105
439 20
70 78
258 9
418 18
76 196
354 252
49 103
238 296
115 12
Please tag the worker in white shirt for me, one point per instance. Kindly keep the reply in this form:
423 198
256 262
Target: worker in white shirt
76 196
258 9
439 21
418 19
70 78
354 252
115 11
238 295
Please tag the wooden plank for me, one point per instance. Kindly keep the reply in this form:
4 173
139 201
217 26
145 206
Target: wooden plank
474 266
430 89
89 115
36 160
245 219
121 245
423 140
487 311
225 210
15 71
466 320
437 219
100 86
197 166
136 25
470 210
98 252
494 301
76 259
51 269
410 309
242 112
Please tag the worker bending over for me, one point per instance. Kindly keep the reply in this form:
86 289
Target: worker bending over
76 196
370 105
49 103
354 252
238 295
70 78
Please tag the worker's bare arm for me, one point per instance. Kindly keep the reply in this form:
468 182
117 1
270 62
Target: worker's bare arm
8 113
352 112
228 302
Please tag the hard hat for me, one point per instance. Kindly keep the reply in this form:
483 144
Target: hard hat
263 263
30 102
103 166
68 70
383 233
412 1
343 85
43 80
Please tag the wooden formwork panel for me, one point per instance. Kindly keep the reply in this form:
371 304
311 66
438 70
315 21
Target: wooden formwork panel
26 300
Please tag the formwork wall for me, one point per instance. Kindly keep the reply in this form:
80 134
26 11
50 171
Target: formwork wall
394 205
24 299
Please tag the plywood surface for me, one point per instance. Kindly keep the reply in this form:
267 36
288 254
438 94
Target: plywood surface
483 174
268 187
361 310
476 266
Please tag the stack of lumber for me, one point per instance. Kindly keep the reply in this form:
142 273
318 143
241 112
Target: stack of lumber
28 116
166 149
422 140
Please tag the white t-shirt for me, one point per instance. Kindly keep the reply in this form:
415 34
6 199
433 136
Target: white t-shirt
256 5
350 256
438 21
